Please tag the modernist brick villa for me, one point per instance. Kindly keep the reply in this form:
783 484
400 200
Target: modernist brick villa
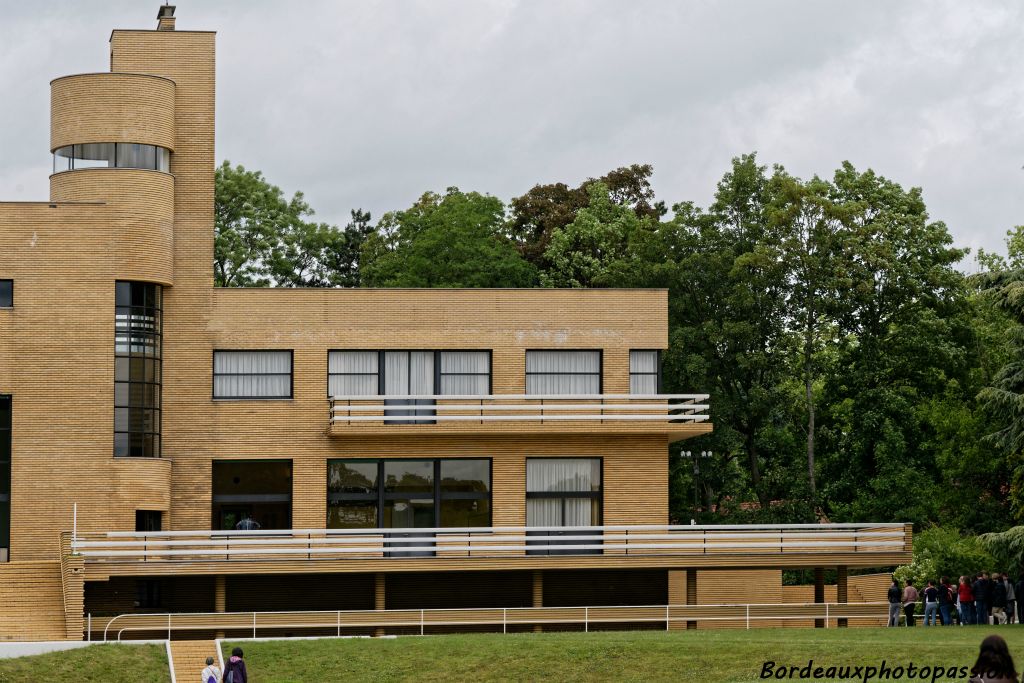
397 449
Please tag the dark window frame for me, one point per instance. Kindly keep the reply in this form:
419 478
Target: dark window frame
599 494
437 494
6 437
71 159
10 302
437 367
600 367
215 374
144 343
657 362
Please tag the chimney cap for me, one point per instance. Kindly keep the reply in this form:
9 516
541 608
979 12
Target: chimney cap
165 11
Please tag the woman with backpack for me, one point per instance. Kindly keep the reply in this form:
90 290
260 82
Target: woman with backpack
234 670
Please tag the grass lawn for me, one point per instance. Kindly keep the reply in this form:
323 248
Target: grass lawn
96 663
698 656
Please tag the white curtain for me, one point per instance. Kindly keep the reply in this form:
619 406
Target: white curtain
563 474
352 373
563 372
560 512
643 372
408 373
252 374
465 373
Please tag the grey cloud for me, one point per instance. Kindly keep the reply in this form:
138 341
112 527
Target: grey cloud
369 103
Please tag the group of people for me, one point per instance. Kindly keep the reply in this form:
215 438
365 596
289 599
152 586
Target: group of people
979 599
234 670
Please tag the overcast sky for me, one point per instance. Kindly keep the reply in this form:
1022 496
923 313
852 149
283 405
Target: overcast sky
361 103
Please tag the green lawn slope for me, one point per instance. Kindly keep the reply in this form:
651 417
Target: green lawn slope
698 656
94 664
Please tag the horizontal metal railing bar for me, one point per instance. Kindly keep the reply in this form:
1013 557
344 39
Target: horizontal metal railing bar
633 417
531 406
619 538
521 397
696 547
696 528
518 616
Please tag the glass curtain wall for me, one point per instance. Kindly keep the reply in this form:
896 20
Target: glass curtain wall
137 370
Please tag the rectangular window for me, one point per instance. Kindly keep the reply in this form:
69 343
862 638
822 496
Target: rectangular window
252 374
400 373
563 372
644 372
137 349
6 293
5 477
148 520
252 494
405 493
563 492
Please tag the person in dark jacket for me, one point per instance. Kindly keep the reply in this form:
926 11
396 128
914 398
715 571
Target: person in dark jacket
946 600
998 599
981 604
234 670
895 601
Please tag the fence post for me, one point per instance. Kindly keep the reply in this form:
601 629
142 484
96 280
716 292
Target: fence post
168 627
339 623
253 624
586 620
88 628
748 616
421 622
826 615
504 620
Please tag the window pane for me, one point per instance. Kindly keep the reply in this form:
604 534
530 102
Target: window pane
643 384
457 513
463 385
352 385
252 374
463 362
408 476
563 361
252 477
465 476
563 474
132 155
94 155
409 513
352 362
346 476
163 159
563 372
643 361
352 515
563 384
6 293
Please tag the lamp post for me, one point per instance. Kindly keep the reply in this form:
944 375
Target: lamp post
696 473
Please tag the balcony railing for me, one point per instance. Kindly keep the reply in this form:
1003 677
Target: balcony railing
478 542
534 409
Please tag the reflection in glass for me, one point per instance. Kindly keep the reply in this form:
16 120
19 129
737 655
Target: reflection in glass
401 476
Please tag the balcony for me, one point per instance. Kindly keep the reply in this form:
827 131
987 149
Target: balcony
375 550
677 416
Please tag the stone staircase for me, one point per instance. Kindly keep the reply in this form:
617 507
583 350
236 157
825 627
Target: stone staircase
189 658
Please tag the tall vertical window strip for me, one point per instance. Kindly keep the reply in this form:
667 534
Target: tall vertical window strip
252 374
137 370
644 374
563 491
6 293
563 372
5 477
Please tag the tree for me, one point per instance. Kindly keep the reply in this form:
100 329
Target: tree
451 240
262 239
545 209
581 253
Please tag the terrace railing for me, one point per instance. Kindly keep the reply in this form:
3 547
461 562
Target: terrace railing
495 619
472 542
550 409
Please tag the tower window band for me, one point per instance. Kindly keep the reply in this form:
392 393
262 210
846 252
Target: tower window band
111 155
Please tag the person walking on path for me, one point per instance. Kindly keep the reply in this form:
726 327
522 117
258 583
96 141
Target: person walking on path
966 596
211 674
910 596
931 603
895 600
235 671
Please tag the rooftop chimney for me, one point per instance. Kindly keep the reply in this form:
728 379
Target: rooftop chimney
165 18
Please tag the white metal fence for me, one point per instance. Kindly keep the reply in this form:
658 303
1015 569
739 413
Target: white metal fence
498 619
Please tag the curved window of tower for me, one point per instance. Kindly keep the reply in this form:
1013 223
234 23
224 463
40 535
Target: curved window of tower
137 336
111 155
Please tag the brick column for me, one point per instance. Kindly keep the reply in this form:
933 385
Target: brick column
379 598
538 595
691 594
841 591
220 597
819 593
